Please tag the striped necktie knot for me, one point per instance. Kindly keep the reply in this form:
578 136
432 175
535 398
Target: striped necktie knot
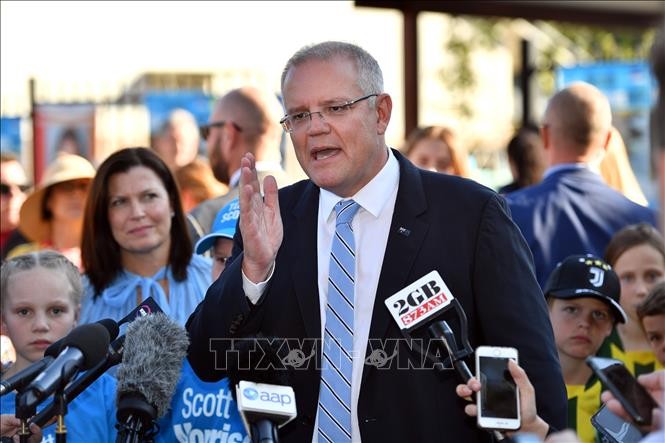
346 210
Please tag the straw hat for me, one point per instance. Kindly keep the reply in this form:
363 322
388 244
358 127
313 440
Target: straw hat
64 168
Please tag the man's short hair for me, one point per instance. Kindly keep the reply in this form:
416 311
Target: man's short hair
370 77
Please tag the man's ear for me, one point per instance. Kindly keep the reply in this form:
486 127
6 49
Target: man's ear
608 137
384 108
545 136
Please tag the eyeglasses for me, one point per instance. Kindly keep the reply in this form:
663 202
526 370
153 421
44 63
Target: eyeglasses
205 129
302 120
6 189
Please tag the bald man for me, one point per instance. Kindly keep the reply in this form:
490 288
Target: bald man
244 120
572 211
177 142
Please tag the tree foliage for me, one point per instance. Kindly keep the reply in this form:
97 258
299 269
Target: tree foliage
587 43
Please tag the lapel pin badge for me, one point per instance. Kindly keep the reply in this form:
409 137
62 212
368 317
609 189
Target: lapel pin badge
403 231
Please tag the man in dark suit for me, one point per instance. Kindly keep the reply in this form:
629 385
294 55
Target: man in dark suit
572 211
285 278
244 120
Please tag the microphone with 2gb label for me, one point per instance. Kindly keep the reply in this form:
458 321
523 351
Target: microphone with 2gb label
421 306
152 359
265 400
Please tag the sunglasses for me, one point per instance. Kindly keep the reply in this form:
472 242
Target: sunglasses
205 129
6 189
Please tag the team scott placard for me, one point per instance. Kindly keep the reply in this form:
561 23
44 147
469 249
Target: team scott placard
419 301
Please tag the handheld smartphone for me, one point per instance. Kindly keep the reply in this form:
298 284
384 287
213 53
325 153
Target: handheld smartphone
614 429
633 397
498 400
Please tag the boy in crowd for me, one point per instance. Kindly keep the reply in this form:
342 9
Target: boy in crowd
651 313
220 240
583 298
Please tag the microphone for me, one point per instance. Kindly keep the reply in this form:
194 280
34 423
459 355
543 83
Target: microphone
429 298
417 309
19 380
154 348
265 400
442 330
84 347
77 386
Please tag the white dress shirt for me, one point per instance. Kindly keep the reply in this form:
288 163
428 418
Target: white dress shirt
370 229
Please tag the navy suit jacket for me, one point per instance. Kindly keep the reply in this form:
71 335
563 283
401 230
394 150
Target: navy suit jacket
572 211
457 227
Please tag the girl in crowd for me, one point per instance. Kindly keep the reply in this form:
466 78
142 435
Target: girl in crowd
434 148
637 254
52 216
41 294
135 241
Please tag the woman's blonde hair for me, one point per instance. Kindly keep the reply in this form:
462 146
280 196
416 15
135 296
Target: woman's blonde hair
47 259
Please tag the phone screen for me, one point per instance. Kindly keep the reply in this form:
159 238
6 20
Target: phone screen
631 390
498 392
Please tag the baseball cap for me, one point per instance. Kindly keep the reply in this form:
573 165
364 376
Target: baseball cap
224 226
579 276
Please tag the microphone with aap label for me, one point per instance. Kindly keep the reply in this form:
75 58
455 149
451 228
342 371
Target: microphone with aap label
265 400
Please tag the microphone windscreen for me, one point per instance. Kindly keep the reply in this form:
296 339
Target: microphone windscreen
111 326
92 340
155 346
54 349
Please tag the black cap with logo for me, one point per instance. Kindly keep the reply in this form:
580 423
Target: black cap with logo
579 276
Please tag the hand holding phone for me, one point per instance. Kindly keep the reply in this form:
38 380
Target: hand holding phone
498 400
633 397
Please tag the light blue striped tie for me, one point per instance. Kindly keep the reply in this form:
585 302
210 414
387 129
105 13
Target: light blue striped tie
337 365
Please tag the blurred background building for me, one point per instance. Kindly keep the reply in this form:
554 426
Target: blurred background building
114 70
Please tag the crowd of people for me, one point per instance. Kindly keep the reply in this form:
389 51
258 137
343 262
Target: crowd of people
564 263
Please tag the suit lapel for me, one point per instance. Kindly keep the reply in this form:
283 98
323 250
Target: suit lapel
303 259
405 238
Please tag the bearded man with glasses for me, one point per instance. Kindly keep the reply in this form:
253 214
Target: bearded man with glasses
243 120
314 263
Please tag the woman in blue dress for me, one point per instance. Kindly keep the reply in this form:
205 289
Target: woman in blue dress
135 241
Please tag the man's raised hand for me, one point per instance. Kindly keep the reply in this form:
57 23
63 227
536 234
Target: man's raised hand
260 221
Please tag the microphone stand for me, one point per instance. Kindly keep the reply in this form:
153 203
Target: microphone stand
136 419
264 431
60 402
81 383
25 408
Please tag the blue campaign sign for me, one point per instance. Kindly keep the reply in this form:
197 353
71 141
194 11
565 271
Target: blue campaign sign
629 86
10 135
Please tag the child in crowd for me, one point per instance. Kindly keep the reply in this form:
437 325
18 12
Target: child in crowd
220 239
206 410
583 298
651 313
41 295
637 255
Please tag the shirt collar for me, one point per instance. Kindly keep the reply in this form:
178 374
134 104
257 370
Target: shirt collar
372 197
567 167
